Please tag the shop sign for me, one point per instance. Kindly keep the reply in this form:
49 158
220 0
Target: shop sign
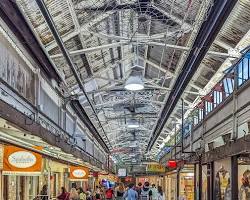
122 172
155 168
22 159
79 172
172 164
18 160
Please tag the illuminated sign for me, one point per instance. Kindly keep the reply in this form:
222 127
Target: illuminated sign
122 172
155 168
172 164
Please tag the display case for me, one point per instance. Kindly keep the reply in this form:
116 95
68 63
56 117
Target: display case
222 182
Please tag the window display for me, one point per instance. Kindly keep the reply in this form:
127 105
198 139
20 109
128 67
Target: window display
222 185
204 194
187 185
244 178
171 183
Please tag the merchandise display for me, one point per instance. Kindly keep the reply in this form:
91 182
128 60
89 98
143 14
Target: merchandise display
187 186
244 178
222 185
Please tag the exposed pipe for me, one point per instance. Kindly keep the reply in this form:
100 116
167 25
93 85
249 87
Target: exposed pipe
58 39
203 41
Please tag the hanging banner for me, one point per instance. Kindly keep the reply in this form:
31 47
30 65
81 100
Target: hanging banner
79 173
155 168
21 161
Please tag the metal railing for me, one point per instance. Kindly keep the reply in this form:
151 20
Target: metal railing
235 77
34 115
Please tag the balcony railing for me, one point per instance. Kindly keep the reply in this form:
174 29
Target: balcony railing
34 115
235 77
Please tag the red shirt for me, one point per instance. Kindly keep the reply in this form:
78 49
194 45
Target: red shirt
63 196
109 193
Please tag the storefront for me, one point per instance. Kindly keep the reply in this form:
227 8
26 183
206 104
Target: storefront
79 177
226 172
187 182
180 182
23 174
107 180
59 176
171 185
157 180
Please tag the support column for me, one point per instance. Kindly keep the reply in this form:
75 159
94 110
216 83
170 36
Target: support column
200 180
178 184
210 181
234 177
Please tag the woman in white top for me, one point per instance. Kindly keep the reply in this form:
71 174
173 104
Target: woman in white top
161 195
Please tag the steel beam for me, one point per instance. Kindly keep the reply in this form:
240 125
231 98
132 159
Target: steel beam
124 43
82 29
52 26
16 22
207 33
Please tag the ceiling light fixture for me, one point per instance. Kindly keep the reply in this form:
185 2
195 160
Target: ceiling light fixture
133 124
134 83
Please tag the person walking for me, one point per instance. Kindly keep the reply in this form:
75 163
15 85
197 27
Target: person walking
109 194
146 192
130 194
73 194
97 193
64 194
82 195
119 191
138 188
160 194
154 192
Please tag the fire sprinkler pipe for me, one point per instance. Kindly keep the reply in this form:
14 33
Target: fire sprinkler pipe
58 39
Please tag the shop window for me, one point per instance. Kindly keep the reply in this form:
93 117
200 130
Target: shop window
244 177
222 182
187 185
170 186
228 86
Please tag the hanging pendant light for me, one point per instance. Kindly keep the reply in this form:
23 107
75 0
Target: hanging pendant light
134 83
133 123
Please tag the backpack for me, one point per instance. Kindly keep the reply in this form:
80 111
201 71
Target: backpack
97 196
144 194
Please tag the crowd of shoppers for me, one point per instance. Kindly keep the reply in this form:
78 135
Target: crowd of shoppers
132 192
144 192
